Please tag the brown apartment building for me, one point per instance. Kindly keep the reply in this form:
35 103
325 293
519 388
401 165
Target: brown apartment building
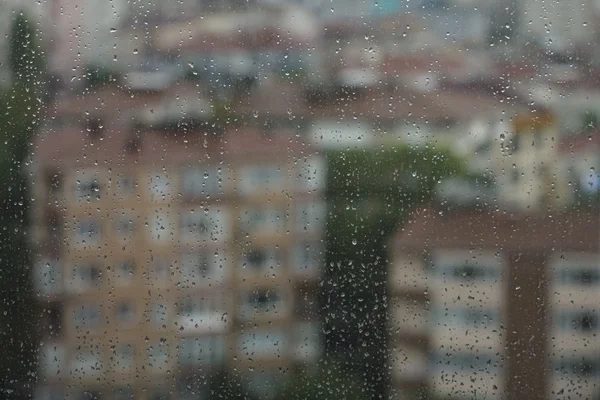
165 250
495 305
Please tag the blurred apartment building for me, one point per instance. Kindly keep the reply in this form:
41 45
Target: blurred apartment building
492 305
167 248
151 218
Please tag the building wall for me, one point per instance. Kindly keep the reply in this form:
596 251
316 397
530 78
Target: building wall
574 322
160 268
505 316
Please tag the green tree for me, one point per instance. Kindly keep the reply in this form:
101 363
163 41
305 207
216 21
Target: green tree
97 76
21 106
220 384
26 58
223 385
369 196
327 380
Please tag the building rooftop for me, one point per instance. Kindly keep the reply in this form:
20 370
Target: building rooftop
114 148
472 229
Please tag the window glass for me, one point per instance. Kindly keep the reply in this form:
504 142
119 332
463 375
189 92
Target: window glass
262 220
260 180
88 232
300 199
262 344
202 226
261 260
204 181
86 276
194 351
87 317
263 301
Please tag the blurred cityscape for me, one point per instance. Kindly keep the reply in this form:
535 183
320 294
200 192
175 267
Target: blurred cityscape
332 199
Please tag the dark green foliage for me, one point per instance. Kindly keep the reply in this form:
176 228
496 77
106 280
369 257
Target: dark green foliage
26 58
20 111
322 382
226 386
368 195
97 76
221 384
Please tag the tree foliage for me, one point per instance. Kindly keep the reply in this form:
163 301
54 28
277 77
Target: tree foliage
97 76
369 194
26 58
20 111
327 380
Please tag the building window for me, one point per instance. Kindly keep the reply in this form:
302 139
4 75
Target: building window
87 232
124 358
310 217
202 268
161 228
261 260
409 362
52 359
584 367
306 340
308 257
196 267
190 307
203 181
159 188
202 314
125 312
204 226
268 344
124 225
160 270
125 273
159 314
261 220
580 275
158 356
260 179
466 317
126 186
580 321
261 301
466 272
86 277
87 316
86 363
465 362
202 351
87 189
